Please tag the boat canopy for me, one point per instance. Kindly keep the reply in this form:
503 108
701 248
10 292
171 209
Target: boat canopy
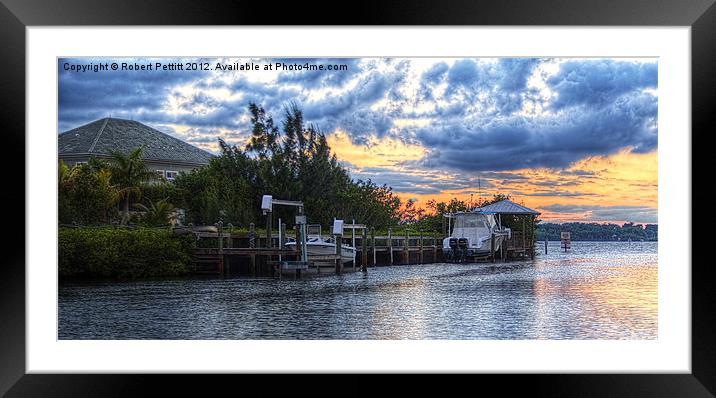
507 207
474 220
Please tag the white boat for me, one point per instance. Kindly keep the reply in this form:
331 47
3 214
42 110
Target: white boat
322 250
471 235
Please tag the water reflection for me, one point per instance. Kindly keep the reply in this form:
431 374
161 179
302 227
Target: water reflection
597 291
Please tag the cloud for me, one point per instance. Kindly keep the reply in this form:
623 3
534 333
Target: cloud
641 214
599 82
552 140
463 74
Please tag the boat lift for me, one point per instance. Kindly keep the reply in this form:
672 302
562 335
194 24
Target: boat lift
267 202
353 226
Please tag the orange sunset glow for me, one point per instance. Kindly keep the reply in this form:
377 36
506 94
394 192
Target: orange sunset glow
621 179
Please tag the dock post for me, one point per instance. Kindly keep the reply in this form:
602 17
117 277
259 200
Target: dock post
533 243
268 229
421 247
524 236
407 247
545 245
372 242
364 252
339 263
435 248
252 235
390 245
296 233
220 227
226 262
281 237
492 247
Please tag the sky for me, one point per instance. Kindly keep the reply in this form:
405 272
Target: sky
574 138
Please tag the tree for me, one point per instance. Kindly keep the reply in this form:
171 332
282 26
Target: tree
495 198
293 163
433 218
411 214
85 196
128 173
65 178
156 214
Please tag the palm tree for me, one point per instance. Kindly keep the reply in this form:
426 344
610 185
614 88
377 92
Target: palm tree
157 213
64 174
128 173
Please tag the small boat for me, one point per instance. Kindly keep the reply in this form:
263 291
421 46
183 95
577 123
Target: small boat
471 235
192 229
321 250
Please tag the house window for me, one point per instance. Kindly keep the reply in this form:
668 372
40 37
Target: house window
80 163
171 175
160 174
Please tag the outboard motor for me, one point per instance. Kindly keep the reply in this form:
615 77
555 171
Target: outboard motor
462 248
452 252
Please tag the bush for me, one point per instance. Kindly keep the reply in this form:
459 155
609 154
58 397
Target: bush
123 253
85 196
162 190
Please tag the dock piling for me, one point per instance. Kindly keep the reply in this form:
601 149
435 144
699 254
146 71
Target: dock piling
339 263
406 248
372 242
269 219
492 247
421 248
252 235
220 228
435 247
390 244
364 252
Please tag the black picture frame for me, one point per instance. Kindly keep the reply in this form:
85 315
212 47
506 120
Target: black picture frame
16 15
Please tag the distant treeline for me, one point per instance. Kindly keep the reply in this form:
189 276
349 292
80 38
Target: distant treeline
599 232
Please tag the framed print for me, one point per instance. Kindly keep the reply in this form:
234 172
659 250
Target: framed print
477 198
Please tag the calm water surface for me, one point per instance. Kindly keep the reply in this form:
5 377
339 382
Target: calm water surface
596 291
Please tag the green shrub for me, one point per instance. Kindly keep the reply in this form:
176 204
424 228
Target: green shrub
85 196
122 252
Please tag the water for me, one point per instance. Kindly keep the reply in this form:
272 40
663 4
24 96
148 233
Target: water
597 290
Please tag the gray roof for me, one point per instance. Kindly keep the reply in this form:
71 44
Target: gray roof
101 136
507 207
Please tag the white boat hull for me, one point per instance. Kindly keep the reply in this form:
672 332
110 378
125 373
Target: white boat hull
323 252
472 236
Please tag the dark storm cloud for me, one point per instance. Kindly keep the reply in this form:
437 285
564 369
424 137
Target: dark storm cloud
552 141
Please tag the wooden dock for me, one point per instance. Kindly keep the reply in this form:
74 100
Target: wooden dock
255 256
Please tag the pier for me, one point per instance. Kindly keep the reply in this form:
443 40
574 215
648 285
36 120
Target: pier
251 254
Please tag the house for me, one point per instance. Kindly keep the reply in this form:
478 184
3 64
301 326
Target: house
162 152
